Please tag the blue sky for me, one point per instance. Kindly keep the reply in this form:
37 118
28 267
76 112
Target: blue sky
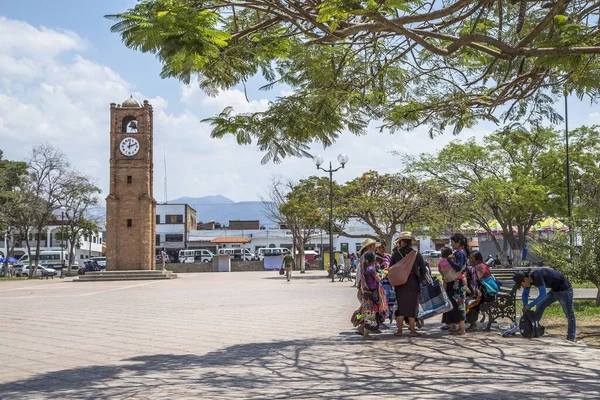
60 67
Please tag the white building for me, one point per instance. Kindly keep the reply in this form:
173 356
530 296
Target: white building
173 224
50 239
275 237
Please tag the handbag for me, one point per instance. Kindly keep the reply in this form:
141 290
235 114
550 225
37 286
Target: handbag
398 273
281 271
433 299
450 274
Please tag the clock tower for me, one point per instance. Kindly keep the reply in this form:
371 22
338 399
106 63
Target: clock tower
130 206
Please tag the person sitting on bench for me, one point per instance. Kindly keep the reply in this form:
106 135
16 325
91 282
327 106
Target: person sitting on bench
560 290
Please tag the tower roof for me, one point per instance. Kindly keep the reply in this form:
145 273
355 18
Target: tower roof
131 102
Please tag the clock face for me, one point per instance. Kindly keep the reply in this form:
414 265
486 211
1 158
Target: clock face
129 146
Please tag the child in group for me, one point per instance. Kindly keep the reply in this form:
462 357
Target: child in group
446 269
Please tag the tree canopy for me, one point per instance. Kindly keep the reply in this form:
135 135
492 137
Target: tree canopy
516 177
387 203
441 63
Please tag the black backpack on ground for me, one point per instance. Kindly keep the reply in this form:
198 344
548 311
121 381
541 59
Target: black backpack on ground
529 327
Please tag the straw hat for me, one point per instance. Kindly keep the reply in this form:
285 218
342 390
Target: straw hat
366 243
406 236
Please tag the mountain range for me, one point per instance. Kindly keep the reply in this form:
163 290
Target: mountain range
221 209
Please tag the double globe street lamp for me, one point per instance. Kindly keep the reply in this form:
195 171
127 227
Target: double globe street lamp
343 160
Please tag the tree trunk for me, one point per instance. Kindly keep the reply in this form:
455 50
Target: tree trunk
504 254
517 256
389 246
495 240
28 251
597 294
37 252
71 242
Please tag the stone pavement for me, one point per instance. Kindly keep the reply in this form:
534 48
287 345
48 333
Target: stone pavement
254 336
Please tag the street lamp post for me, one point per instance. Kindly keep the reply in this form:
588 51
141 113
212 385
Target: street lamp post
62 240
343 160
568 173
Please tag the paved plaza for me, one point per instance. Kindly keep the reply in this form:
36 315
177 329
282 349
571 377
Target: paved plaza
251 335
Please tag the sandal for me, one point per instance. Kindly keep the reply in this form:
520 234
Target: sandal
458 332
445 328
399 334
414 334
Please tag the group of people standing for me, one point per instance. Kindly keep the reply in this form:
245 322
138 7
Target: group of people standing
468 285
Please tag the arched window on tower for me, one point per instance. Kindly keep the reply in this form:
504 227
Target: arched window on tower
129 125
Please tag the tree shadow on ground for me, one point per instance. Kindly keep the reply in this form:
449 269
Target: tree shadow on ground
342 368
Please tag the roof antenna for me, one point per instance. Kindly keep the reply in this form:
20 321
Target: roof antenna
165 162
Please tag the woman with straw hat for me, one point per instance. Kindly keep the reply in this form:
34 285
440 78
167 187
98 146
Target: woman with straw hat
367 245
407 295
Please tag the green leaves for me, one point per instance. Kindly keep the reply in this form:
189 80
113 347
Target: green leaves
444 64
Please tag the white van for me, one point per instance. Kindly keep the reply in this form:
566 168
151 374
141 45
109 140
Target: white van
191 256
50 259
239 254
272 250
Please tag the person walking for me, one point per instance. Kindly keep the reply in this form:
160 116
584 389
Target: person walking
370 300
163 257
367 245
561 290
288 262
407 295
382 260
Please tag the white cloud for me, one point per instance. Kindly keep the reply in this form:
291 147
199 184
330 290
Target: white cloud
25 40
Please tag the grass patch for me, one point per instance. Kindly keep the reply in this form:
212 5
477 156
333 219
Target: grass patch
583 285
14 278
583 308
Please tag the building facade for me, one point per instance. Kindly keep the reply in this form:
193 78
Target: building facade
173 224
50 239
130 205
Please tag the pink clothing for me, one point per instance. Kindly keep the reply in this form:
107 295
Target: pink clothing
444 264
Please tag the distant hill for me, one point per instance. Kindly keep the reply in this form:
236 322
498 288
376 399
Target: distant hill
218 199
221 209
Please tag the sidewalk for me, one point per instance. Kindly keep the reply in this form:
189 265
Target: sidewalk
252 335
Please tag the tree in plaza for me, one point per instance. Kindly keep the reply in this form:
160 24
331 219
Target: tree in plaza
579 261
446 64
388 204
12 176
48 169
515 176
79 196
290 204
577 253
303 214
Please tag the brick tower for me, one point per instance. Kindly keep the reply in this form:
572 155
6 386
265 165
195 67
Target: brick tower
130 206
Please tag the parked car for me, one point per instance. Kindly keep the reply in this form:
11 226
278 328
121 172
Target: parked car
271 250
101 261
50 259
191 256
431 254
38 272
239 253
